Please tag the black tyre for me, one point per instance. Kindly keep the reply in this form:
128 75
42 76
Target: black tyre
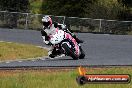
82 54
69 51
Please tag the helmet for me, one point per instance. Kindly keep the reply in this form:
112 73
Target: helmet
47 21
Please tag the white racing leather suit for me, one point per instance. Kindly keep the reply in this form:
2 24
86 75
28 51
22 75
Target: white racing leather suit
48 31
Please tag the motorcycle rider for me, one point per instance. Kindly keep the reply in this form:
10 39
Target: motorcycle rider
49 28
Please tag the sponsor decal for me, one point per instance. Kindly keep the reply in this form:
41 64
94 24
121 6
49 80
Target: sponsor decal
84 78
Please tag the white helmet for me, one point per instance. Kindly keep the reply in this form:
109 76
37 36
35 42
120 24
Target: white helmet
47 21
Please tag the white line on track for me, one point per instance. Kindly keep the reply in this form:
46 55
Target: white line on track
43 59
33 60
20 61
7 62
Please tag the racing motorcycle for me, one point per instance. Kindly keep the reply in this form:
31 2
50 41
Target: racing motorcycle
66 44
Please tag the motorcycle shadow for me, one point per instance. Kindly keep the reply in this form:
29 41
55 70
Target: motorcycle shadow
62 59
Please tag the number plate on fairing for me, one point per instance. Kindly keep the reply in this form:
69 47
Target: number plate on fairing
57 37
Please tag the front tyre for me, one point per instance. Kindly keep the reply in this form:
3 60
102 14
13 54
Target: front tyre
69 51
82 53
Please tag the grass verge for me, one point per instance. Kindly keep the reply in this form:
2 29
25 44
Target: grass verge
57 78
13 51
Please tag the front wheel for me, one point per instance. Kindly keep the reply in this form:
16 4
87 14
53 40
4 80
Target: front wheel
82 53
69 51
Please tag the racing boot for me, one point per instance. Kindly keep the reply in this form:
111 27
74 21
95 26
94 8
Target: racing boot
54 53
52 56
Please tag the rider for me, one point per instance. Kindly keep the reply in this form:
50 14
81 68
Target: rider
49 28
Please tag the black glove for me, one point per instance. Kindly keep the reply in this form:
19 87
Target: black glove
49 43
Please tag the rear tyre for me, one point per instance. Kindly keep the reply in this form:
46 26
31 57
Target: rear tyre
69 51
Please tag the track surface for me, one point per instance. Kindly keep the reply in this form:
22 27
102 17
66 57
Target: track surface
100 49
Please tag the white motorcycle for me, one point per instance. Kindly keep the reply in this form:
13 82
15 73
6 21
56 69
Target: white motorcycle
66 44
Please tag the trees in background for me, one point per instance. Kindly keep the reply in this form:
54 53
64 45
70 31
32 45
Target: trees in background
127 3
15 5
66 7
100 9
105 9
127 14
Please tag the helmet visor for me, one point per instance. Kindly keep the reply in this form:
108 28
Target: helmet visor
46 24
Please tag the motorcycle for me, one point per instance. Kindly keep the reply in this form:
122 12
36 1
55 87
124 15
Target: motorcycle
66 44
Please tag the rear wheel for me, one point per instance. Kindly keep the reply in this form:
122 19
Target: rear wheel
69 51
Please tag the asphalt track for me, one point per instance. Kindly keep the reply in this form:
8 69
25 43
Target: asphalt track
100 49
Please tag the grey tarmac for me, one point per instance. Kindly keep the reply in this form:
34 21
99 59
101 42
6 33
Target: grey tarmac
100 49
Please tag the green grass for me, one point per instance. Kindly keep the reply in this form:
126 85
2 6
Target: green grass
13 51
57 78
